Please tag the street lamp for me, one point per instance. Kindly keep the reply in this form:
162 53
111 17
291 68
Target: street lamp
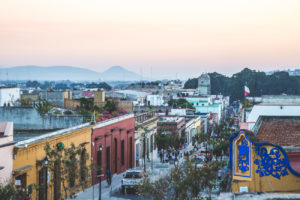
99 176
46 161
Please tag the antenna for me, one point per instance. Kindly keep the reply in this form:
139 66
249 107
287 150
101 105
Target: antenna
150 73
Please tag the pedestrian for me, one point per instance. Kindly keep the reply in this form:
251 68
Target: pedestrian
161 156
137 160
108 175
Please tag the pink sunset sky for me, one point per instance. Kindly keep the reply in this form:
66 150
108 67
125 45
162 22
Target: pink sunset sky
186 37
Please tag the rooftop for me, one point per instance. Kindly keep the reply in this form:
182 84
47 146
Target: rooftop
280 130
34 139
273 110
171 119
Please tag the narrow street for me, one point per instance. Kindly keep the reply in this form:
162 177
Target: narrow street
114 191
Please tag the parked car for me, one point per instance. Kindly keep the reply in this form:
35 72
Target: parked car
132 179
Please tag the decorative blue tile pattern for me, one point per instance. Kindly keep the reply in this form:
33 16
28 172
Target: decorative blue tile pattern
243 160
271 163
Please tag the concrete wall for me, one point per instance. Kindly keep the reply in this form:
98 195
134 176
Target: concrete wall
126 105
30 119
56 98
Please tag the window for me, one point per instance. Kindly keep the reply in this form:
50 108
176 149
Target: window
83 168
72 171
122 152
43 184
107 158
151 143
99 157
57 180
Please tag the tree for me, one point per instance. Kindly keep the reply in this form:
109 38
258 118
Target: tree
180 103
183 182
62 163
32 84
8 191
43 107
101 85
258 82
87 104
110 106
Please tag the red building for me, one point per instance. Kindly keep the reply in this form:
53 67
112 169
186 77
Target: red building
116 137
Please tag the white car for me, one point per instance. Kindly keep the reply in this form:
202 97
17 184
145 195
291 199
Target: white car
132 179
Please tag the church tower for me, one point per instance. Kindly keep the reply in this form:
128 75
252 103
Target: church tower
204 84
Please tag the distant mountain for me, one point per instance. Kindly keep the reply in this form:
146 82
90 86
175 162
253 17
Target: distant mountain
118 73
56 73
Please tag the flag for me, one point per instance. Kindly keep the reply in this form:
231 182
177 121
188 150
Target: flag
247 91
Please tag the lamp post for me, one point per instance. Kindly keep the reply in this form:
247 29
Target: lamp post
144 144
99 176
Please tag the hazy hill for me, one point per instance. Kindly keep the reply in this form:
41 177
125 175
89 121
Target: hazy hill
47 73
118 73
56 73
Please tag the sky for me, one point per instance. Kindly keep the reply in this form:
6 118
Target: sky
155 38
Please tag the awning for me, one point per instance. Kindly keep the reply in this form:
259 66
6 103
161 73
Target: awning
22 169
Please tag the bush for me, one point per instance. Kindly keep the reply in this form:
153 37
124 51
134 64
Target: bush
57 112
7 191
68 112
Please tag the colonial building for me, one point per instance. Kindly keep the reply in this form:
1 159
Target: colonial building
145 132
261 166
33 166
204 85
113 146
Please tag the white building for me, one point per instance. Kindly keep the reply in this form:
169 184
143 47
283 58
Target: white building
155 100
271 110
9 96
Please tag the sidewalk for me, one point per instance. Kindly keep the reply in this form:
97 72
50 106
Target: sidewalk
106 190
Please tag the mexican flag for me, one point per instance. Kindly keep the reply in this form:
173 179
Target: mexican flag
247 91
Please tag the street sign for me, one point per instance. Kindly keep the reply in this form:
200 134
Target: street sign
100 175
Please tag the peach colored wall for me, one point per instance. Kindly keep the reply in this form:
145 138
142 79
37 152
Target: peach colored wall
6 152
7 162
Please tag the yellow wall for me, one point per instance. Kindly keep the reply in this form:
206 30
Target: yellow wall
255 183
35 152
197 126
68 94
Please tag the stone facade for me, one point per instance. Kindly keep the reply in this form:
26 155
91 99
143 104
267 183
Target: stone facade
125 105
29 99
99 98
73 104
